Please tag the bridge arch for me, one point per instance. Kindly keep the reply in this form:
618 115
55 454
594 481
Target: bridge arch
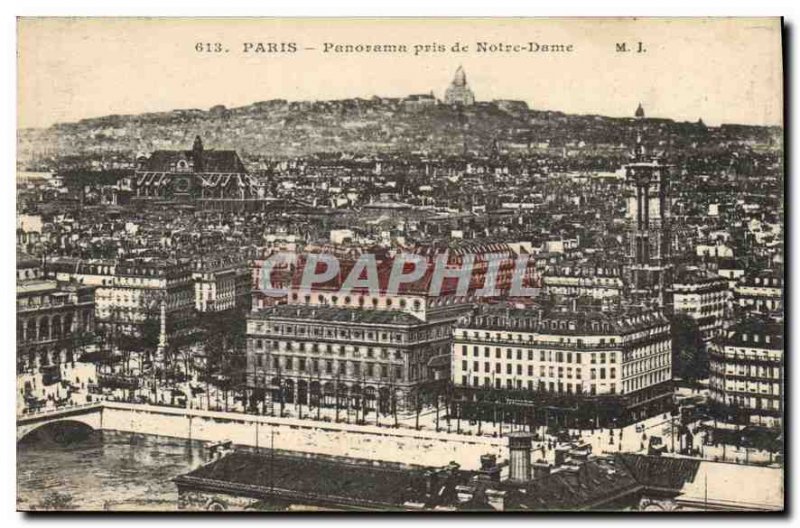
61 431
88 417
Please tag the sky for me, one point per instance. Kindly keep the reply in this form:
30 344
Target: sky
721 70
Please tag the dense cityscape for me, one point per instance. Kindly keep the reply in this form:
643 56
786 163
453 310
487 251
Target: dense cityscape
642 369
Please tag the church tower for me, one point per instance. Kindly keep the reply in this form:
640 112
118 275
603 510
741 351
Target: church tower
197 154
459 93
647 194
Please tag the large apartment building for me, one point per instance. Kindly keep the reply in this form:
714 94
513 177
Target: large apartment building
586 367
595 281
356 358
131 292
760 292
704 298
221 283
746 373
390 348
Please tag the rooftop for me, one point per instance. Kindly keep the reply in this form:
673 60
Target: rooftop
337 314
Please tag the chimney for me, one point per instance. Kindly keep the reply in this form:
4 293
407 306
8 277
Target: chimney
496 499
561 455
540 469
519 447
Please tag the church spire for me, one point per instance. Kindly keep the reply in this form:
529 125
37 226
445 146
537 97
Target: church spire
639 112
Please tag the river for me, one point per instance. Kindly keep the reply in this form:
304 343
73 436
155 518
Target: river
104 471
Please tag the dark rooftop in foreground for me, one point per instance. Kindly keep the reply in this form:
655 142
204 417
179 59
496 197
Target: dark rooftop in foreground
316 479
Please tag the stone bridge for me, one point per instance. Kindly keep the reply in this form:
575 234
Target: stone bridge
89 414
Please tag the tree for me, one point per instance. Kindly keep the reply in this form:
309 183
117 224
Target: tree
689 353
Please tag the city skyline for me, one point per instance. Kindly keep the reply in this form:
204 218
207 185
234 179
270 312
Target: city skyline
95 61
438 301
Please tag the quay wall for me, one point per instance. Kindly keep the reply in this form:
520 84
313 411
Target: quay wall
340 439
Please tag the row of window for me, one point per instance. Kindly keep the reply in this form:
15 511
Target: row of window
550 372
531 385
360 301
543 355
646 380
354 369
344 333
317 348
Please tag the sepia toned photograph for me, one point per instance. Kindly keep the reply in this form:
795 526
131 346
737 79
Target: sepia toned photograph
400 265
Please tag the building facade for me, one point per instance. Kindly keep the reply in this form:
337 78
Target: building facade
598 282
359 359
760 292
704 299
221 283
574 368
746 373
52 320
133 292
